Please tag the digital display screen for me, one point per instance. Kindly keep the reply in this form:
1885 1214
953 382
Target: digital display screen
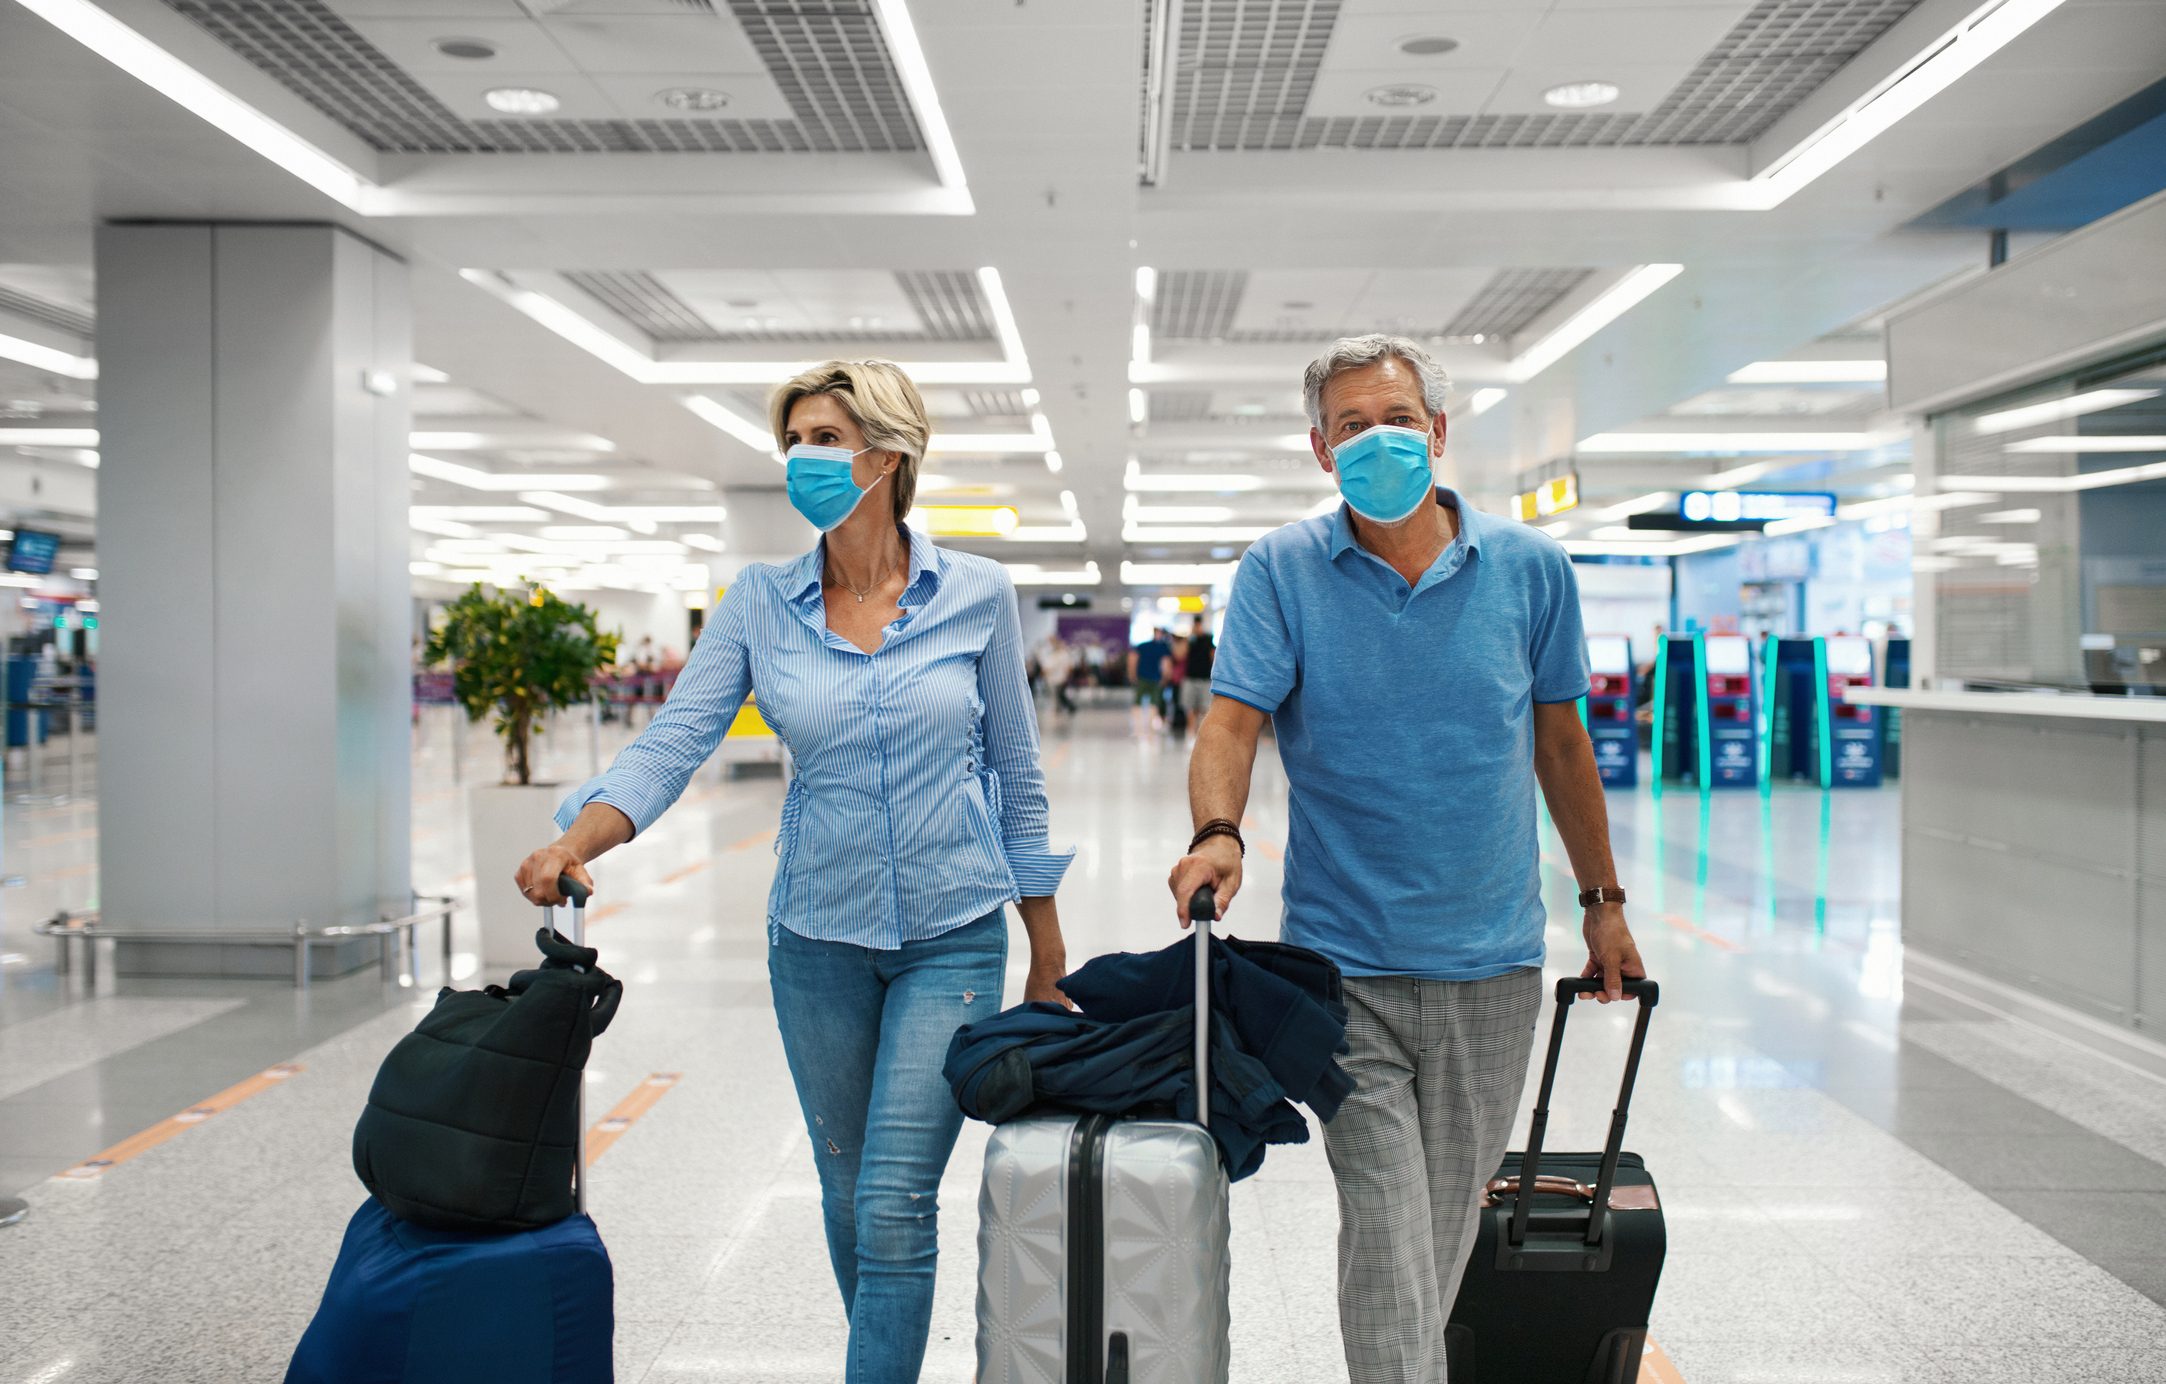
1609 653
1850 657
33 551
1728 655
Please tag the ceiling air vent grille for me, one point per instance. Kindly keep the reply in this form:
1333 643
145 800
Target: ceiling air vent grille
826 55
1246 68
1513 299
645 302
1197 304
67 319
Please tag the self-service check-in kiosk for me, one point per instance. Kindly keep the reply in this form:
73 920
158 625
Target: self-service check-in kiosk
1607 709
1854 750
1812 732
1705 730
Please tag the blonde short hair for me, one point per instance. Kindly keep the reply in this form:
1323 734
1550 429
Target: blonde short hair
883 403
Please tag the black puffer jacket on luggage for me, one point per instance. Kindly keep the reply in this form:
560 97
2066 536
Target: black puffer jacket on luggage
473 1123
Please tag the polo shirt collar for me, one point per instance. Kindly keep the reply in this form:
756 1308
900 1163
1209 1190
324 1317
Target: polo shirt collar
1470 524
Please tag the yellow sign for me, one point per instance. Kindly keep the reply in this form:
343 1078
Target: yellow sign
966 521
1191 605
1551 497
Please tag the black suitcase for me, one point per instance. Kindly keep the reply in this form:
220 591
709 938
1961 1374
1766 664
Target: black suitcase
1557 1292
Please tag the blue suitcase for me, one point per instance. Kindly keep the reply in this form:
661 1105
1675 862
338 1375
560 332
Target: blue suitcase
408 1305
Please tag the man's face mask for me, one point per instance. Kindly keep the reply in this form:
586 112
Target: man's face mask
1384 473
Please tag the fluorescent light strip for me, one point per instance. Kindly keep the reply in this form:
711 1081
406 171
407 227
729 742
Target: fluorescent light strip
479 442
47 358
1736 476
2012 516
177 81
1031 574
48 437
1146 283
1175 514
1723 444
743 429
1011 338
2055 410
476 514
1936 67
986 444
1478 403
1139 406
1047 533
1802 524
2064 446
1905 504
1199 533
1139 344
1811 372
2061 485
1175 573
1607 306
1136 481
1645 504
917 78
436 468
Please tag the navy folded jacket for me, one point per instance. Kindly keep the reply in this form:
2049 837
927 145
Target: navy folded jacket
1278 1027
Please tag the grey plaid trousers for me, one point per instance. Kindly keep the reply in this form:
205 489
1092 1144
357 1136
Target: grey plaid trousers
1438 1066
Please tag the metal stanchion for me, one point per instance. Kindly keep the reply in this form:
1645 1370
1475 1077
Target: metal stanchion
75 755
458 741
594 736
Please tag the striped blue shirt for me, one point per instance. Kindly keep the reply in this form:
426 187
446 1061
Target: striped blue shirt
918 804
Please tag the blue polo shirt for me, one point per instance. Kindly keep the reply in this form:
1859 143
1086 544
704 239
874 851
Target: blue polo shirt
1405 720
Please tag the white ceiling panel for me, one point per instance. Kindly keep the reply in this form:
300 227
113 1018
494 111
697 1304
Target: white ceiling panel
656 43
1486 38
1323 303
752 95
1640 87
464 93
1367 91
521 45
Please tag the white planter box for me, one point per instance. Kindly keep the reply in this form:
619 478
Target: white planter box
506 823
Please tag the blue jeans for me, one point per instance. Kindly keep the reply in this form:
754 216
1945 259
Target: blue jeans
865 1032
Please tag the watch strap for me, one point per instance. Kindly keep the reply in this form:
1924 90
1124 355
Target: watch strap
1599 895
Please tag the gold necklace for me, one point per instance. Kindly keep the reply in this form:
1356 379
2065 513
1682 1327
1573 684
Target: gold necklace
873 586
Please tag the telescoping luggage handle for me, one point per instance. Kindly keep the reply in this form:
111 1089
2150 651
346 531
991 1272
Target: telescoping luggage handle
576 893
1530 1166
1202 909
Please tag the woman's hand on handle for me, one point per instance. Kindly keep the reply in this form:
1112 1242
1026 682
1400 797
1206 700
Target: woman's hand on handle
537 876
1217 863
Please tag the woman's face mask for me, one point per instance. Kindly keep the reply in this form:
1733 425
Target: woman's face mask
821 486
1384 473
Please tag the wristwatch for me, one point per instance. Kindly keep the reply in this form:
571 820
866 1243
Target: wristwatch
1600 894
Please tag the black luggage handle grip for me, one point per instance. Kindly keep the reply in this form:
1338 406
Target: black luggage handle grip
574 892
1203 905
1646 991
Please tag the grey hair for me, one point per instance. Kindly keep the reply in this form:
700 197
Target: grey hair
1353 352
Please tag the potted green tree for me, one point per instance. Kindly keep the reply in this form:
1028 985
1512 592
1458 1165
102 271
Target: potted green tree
516 655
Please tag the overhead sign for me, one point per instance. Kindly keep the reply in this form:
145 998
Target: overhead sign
1550 497
1753 506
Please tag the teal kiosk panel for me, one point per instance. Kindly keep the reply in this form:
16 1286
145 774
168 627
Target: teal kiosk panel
1706 732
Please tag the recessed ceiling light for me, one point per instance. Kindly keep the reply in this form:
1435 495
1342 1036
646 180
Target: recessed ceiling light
470 49
1297 305
694 99
1427 45
1401 94
1574 96
521 100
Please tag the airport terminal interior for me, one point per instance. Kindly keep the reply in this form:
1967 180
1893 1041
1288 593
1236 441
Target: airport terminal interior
385 412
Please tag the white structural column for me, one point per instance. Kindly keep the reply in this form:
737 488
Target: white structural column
254 685
762 526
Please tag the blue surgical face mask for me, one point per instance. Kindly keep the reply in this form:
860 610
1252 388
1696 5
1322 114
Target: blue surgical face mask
1384 472
821 486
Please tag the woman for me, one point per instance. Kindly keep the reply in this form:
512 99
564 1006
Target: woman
893 671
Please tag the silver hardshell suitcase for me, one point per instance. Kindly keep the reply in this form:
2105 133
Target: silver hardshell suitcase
1102 1241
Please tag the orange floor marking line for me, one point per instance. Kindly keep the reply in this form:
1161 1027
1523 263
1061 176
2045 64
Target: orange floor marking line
686 872
611 1127
1692 930
1269 850
1056 759
62 838
757 838
138 1144
607 910
1656 1367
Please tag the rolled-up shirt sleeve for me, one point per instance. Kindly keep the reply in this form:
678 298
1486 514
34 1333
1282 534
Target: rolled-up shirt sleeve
1257 662
649 774
1011 751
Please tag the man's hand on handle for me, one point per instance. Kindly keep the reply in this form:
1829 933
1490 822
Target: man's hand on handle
537 876
1612 955
1217 863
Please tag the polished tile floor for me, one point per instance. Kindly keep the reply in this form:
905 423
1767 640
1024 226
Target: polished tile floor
1866 1178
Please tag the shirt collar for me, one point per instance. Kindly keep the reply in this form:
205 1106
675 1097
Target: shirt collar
1470 522
803 579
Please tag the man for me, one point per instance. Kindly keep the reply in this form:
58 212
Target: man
1196 680
1147 672
1421 661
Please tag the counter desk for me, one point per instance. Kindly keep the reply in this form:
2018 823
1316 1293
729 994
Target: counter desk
2034 845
